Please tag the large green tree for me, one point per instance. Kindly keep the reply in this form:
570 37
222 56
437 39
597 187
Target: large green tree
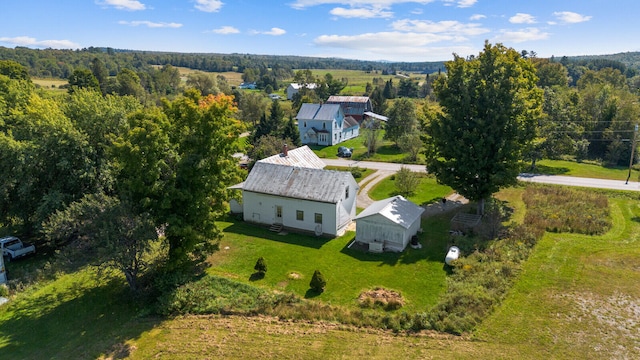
490 109
204 137
403 120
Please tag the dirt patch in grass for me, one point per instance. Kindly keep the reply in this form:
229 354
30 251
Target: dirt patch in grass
387 299
294 276
616 319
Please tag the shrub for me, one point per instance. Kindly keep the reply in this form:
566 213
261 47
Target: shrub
261 266
4 290
356 172
318 281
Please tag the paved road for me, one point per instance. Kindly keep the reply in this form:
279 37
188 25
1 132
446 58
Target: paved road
545 179
579 181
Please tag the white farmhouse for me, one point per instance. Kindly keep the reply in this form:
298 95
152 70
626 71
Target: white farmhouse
388 224
294 88
325 124
291 190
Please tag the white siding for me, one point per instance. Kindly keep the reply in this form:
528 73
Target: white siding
261 208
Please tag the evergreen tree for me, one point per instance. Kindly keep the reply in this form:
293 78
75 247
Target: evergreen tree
318 282
292 132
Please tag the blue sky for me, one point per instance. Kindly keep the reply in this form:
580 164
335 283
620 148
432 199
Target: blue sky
394 30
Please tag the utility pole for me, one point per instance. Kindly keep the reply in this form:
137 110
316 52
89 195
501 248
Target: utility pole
633 145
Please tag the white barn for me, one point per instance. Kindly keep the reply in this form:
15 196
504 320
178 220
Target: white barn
294 88
389 224
292 190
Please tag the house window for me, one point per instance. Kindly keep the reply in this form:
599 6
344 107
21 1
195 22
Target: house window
335 136
305 124
346 192
324 125
299 215
318 218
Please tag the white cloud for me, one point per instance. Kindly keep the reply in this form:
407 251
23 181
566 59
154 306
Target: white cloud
394 46
301 4
208 5
362 13
522 35
381 40
225 30
131 5
417 11
521 18
466 3
150 24
33 42
568 17
448 27
274 32
475 17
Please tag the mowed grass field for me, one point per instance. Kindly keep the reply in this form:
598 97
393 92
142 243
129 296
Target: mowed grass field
576 298
292 258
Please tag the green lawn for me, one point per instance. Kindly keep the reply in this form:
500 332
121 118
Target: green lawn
417 274
427 191
577 296
588 170
574 299
387 152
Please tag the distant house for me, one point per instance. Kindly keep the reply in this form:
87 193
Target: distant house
248 85
354 106
294 88
389 224
292 190
325 124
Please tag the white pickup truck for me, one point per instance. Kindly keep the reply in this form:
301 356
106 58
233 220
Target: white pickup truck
13 248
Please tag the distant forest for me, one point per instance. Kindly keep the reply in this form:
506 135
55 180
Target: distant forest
62 63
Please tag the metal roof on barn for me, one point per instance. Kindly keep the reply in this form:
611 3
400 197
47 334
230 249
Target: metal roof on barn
349 122
299 183
300 157
397 209
347 99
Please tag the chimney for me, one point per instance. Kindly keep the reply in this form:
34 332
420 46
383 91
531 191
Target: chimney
285 150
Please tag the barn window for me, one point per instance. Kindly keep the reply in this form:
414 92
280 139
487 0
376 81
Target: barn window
318 218
299 215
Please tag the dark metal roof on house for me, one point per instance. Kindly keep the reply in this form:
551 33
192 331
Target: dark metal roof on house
318 112
299 183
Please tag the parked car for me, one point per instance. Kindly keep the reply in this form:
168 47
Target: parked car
344 151
13 248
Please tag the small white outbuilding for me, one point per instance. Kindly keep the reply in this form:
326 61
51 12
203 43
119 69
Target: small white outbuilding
389 224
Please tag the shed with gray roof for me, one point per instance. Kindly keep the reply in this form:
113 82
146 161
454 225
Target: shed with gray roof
388 224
